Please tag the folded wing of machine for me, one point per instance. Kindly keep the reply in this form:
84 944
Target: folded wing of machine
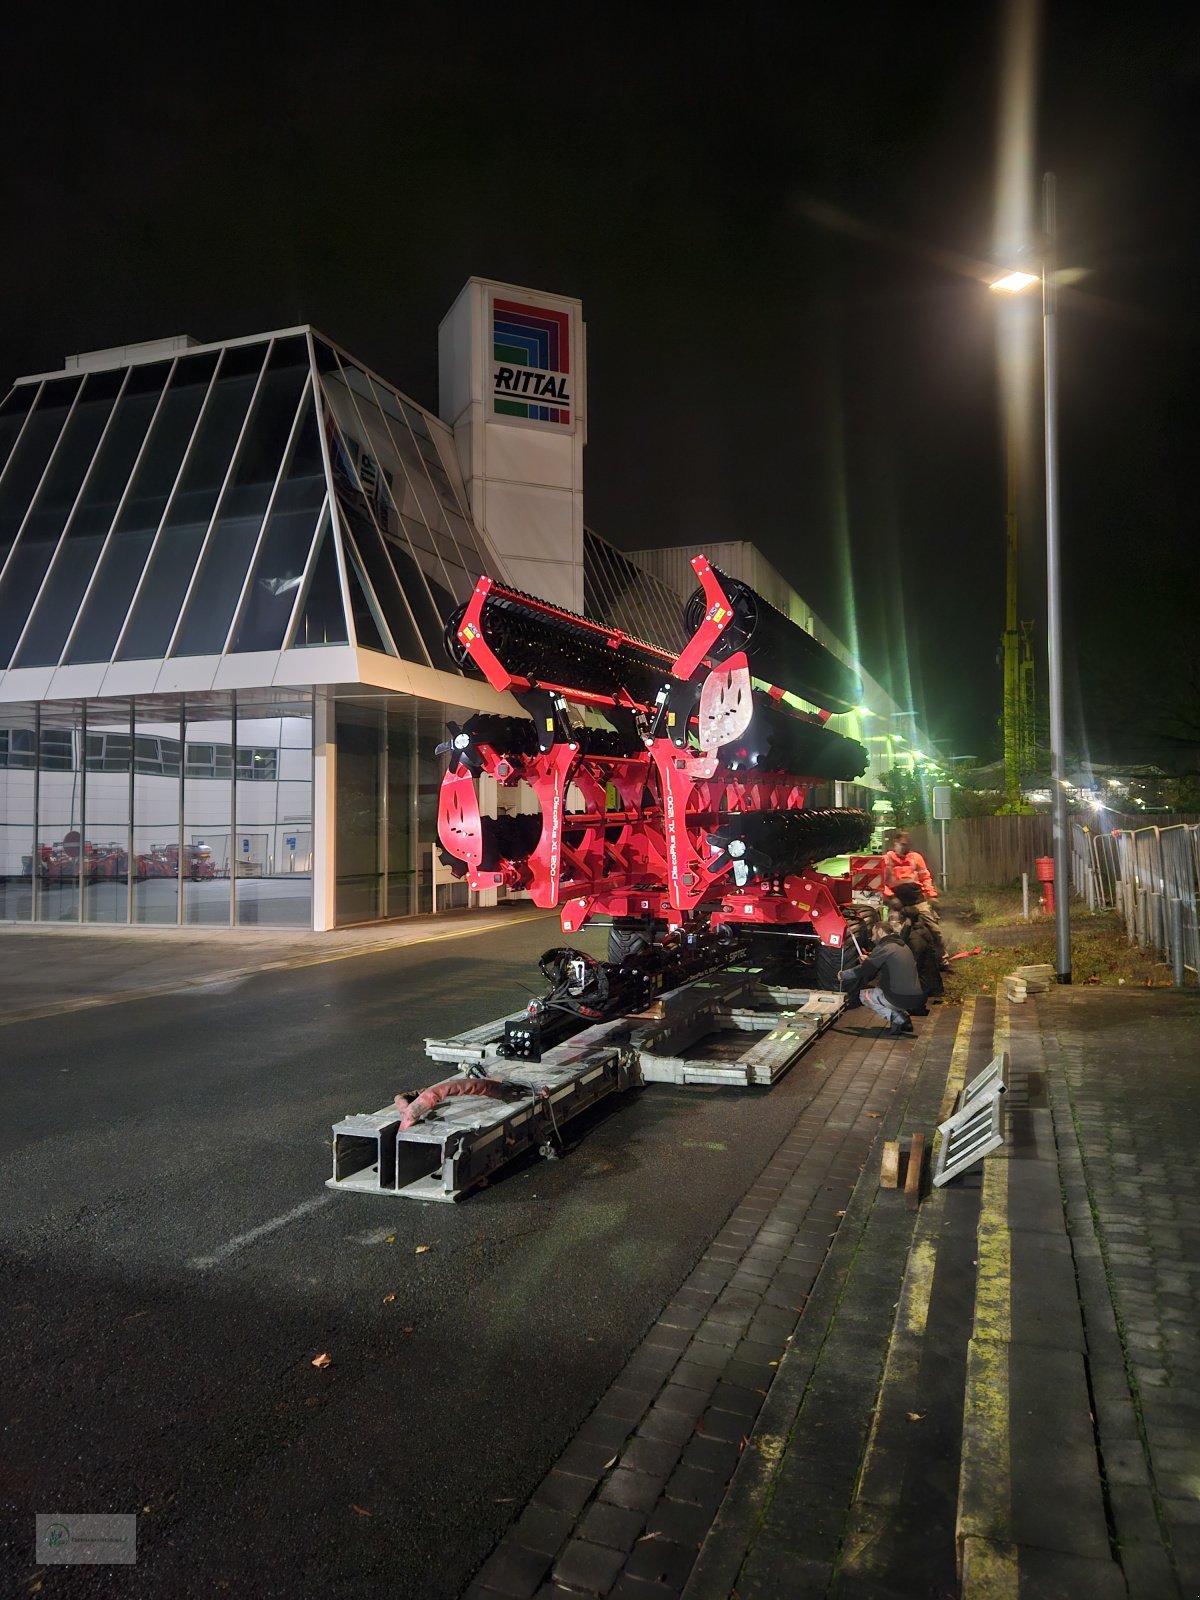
688 809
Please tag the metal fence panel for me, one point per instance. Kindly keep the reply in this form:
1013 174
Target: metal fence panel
1157 889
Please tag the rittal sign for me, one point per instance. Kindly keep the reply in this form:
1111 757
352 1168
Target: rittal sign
531 363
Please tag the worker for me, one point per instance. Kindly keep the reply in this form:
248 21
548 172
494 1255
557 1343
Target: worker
919 929
887 982
903 864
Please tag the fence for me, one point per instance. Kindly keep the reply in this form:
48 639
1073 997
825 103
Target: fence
1152 877
988 851
985 850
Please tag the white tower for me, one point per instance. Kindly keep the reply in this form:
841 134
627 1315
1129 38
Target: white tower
513 385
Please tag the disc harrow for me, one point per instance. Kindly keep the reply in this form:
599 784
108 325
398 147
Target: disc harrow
673 793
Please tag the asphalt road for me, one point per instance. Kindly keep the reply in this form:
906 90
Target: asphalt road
170 1263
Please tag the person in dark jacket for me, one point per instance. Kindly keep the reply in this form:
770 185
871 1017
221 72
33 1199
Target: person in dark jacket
887 982
922 939
919 929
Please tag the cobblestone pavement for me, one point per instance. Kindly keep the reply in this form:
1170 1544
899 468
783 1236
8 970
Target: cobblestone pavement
627 1506
1125 1065
1079 1469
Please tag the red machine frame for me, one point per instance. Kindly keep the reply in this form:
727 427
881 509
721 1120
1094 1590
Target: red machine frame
644 846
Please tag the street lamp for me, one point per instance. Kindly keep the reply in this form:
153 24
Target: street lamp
1014 283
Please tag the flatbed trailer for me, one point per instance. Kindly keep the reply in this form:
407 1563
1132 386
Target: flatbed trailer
734 1027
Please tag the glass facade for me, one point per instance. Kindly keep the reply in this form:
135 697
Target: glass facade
268 495
388 782
401 504
18 807
172 518
620 594
194 809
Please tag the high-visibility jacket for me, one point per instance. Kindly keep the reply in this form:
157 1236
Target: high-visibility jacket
909 868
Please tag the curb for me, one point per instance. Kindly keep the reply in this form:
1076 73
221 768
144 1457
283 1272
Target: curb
1031 1508
732 1535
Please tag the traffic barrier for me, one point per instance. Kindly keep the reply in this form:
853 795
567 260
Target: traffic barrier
1157 889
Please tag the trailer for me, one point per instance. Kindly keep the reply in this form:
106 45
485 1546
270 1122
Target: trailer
734 1028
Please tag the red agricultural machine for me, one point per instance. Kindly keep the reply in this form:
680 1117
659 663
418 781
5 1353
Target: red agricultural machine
673 804
672 791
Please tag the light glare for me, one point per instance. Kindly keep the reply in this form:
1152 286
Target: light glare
1013 282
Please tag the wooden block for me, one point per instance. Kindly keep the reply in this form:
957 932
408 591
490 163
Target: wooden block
889 1175
912 1178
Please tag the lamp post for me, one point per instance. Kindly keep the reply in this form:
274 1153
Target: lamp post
1014 283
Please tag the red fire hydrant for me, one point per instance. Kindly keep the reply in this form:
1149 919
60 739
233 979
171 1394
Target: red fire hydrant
1045 872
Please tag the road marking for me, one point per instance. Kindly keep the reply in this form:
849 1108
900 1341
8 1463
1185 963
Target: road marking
231 1246
988 1562
958 1057
206 985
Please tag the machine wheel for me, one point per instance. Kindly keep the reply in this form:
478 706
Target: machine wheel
624 942
824 970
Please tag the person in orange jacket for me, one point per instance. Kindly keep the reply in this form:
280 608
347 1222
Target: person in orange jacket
903 864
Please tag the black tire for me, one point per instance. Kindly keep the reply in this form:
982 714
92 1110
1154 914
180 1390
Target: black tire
823 973
624 942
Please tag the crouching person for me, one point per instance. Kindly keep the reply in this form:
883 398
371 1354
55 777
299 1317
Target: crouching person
887 982
918 928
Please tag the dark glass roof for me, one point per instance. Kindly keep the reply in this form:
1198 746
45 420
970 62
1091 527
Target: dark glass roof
257 496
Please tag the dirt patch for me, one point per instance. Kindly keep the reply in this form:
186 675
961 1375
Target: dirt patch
1100 950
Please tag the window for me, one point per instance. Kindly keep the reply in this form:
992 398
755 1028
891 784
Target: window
16 748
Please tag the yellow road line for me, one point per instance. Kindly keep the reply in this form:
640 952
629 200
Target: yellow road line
990 1570
988 1562
956 1077
993 1284
880 1487
915 1312
92 1001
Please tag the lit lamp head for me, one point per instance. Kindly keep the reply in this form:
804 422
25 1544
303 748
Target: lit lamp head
1014 282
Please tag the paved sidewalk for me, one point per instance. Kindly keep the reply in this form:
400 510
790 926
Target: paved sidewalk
997 1394
628 1505
1125 1071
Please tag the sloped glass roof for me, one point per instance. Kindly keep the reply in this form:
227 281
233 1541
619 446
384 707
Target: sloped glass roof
620 594
262 495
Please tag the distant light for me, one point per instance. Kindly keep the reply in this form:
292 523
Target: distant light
1097 805
1013 282
864 711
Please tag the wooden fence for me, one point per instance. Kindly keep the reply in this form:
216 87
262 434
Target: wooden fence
997 850
985 850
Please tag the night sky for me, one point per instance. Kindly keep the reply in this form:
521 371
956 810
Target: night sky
828 392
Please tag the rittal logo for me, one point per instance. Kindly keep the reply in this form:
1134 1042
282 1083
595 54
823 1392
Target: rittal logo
531 362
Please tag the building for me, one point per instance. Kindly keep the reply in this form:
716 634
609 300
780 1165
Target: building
225 572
